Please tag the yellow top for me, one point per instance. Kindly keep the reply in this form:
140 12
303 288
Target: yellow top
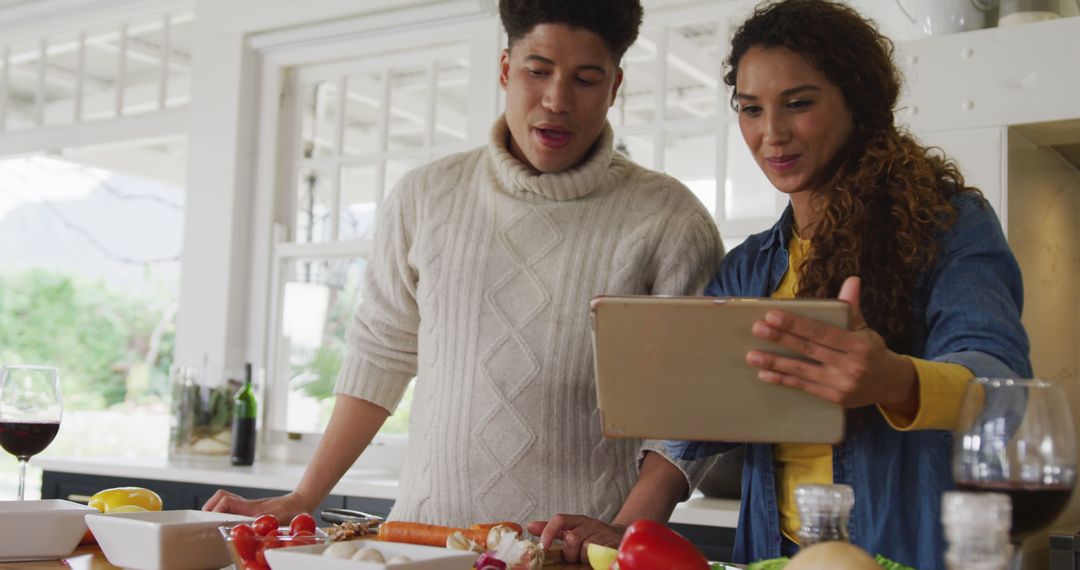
941 389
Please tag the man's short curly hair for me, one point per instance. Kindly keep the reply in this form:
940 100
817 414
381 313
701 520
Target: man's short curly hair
615 21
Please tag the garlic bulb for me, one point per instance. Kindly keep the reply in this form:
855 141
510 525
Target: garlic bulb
457 541
343 550
368 555
497 533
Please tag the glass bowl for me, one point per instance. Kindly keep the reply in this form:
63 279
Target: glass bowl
248 551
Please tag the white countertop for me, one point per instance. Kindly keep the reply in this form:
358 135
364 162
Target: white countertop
357 482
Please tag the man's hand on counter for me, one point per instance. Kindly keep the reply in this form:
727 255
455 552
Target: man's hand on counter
284 507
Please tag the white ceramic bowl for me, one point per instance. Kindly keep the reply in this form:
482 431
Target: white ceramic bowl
423 557
40 530
163 540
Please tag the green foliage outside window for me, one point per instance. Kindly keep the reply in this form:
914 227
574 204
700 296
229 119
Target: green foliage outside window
111 347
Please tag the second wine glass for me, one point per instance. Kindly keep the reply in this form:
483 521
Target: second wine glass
1016 437
31 405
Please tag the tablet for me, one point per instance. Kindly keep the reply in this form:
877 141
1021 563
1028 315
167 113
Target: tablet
675 368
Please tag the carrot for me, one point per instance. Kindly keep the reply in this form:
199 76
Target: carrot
427 534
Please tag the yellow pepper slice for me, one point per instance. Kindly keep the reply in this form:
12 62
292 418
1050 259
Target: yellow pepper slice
120 499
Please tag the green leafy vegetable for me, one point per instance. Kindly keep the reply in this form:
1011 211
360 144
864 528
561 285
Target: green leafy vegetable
890 564
770 564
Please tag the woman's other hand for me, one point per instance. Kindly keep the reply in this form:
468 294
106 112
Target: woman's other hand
576 533
284 507
854 367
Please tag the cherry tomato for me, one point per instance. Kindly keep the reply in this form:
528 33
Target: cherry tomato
267 544
243 539
302 521
254 565
264 525
301 538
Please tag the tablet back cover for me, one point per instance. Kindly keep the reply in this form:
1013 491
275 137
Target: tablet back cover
675 368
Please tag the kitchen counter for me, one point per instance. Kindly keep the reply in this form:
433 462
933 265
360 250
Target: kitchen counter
357 482
91 558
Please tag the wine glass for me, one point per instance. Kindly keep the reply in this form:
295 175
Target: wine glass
30 409
1016 437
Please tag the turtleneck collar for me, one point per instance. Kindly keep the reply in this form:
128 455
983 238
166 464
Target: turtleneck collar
596 174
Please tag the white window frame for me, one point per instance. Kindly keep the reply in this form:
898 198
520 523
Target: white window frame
335 50
655 29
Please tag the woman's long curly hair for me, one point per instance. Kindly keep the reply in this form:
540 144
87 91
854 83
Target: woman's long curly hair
887 201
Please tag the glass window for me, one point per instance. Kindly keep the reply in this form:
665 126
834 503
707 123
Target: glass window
89 279
399 112
693 71
320 298
672 114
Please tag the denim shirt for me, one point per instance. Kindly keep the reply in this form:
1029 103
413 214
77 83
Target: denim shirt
969 304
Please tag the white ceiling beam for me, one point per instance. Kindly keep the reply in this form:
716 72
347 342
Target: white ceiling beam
29 21
53 138
138 160
107 41
137 98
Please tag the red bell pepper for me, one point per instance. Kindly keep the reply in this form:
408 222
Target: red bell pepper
649 545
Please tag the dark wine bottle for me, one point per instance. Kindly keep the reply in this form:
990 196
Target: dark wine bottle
243 427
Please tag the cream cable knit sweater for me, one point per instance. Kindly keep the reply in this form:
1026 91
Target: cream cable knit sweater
480 287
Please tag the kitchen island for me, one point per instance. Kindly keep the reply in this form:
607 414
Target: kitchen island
91 558
187 484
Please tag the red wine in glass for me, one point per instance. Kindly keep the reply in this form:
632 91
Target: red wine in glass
26 439
1034 506
31 405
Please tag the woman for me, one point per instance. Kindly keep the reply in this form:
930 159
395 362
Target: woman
886 225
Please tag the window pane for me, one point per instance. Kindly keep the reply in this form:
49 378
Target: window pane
359 197
314 195
451 100
318 119
408 107
638 148
363 111
178 91
693 71
636 102
747 192
320 299
692 159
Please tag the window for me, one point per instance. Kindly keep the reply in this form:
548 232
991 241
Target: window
351 128
89 284
673 115
90 226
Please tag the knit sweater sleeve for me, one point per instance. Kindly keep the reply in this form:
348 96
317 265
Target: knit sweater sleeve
688 255
382 337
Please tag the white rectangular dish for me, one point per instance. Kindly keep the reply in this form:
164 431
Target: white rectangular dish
163 540
40 530
423 557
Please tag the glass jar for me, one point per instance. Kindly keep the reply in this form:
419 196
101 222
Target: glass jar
823 512
202 411
977 530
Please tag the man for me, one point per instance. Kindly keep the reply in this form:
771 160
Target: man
485 264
